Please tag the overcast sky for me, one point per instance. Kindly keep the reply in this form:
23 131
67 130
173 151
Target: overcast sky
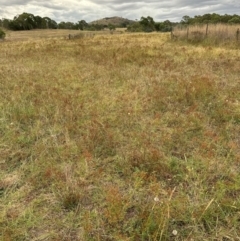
90 10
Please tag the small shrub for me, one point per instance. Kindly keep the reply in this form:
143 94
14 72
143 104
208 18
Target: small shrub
2 34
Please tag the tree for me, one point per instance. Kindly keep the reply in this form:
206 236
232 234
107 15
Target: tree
25 21
186 19
211 18
234 20
165 26
39 22
62 25
67 25
82 25
50 23
197 19
225 18
147 24
135 27
124 24
216 18
111 27
94 27
5 23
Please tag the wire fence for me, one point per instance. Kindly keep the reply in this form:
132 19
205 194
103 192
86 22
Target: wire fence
213 32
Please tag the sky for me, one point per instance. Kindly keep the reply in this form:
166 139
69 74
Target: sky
90 10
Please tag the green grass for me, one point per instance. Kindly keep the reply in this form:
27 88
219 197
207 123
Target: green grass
119 137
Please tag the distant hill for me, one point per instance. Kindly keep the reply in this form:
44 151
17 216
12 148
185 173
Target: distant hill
116 21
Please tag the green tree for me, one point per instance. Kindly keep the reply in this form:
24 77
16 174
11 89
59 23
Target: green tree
96 27
62 25
197 19
186 19
216 18
39 22
234 20
5 23
82 25
148 24
25 21
225 18
135 27
165 26
206 18
67 25
50 23
124 24
210 18
111 27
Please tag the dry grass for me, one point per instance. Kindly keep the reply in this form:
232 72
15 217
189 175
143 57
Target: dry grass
208 34
54 34
119 137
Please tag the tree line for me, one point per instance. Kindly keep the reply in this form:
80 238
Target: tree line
147 24
27 21
211 18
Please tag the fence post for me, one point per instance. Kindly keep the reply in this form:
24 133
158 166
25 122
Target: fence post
187 32
237 34
206 31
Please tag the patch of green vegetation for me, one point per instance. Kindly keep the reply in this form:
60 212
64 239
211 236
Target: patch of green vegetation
2 34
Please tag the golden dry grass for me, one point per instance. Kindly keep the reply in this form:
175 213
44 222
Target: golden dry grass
118 137
209 34
54 34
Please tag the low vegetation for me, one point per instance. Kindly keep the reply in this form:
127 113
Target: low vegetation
2 34
119 137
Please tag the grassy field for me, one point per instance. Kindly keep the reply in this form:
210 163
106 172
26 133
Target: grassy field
55 34
125 137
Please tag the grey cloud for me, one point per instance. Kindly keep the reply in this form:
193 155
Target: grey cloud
13 2
89 10
52 6
125 6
